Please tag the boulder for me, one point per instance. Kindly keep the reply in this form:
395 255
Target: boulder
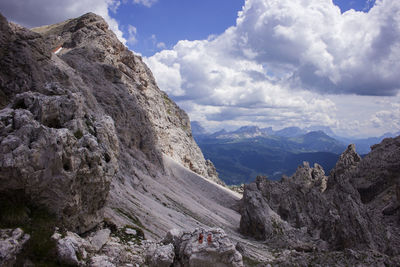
11 243
201 247
162 256
172 237
99 238
72 248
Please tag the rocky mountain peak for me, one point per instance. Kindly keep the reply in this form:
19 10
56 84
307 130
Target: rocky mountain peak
79 112
346 164
78 32
248 129
349 158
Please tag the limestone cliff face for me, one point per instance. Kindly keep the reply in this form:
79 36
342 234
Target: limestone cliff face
92 50
81 113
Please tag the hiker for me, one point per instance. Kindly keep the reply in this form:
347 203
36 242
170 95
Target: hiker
209 239
201 236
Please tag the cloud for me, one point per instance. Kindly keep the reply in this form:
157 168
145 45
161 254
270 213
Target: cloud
33 13
388 118
282 60
217 88
147 3
323 49
132 31
161 45
169 77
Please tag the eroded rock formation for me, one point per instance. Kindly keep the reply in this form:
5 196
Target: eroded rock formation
355 207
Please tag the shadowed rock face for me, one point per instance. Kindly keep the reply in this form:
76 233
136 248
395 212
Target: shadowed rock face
74 122
357 208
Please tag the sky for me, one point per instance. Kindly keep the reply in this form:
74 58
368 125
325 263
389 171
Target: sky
279 63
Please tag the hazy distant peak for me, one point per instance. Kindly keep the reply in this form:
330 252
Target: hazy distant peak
290 132
197 128
248 129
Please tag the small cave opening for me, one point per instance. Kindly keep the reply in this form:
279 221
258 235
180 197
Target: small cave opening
20 104
107 157
67 165
53 123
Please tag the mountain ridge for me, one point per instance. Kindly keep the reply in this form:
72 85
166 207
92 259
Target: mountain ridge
242 154
363 144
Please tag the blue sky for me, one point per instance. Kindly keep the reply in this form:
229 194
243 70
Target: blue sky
169 21
275 63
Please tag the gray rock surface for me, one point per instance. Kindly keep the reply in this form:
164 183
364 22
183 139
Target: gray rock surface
161 256
101 261
354 209
11 243
186 249
100 248
123 82
66 251
70 246
99 238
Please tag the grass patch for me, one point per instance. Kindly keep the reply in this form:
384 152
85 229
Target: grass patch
250 262
123 234
17 211
78 134
277 227
91 128
134 219
167 101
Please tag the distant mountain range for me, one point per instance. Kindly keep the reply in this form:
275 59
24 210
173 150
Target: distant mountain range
240 155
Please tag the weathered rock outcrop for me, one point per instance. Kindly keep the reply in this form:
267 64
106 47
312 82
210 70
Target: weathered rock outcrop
356 207
197 248
73 123
67 170
101 248
378 177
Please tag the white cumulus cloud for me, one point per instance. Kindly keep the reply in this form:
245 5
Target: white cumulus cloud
322 49
276 64
388 118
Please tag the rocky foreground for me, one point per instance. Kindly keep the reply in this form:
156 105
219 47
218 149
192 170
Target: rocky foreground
97 165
